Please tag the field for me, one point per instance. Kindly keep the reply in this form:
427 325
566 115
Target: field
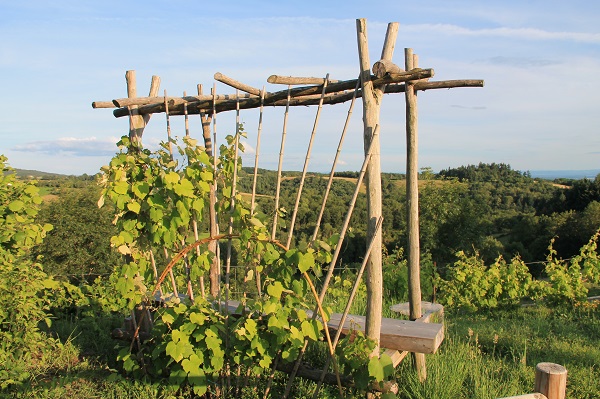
485 355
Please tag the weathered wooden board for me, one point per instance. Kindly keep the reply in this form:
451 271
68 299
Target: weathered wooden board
401 335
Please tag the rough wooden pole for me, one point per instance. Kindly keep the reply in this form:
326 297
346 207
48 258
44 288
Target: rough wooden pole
551 380
137 122
412 196
215 267
372 97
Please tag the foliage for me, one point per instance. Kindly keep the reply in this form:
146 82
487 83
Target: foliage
79 243
395 275
567 280
471 285
22 282
197 343
354 352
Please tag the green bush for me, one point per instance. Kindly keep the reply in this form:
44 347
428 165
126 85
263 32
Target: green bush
22 282
471 285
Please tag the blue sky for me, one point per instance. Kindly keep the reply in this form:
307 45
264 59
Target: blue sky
539 109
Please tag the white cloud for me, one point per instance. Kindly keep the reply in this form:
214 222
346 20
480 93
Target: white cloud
83 147
505 32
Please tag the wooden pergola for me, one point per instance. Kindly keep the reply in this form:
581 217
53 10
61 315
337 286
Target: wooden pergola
384 77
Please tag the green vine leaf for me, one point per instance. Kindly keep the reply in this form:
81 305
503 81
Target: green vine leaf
376 369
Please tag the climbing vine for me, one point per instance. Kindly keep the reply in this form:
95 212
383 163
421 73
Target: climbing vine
202 343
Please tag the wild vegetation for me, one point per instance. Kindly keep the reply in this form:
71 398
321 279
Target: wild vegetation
492 239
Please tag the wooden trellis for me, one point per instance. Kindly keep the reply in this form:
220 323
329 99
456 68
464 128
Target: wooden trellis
399 337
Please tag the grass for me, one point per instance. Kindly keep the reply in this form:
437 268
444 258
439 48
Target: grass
489 355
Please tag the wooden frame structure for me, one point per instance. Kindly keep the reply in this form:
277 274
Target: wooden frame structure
371 87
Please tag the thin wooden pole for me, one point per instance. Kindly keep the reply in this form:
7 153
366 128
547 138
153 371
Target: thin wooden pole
305 168
255 176
188 271
168 126
279 166
215 270
153 262
295 80
236 85
412 196
166 252
346 310
232 208
186 118
346 223
257 152
205 121
333 165
336 254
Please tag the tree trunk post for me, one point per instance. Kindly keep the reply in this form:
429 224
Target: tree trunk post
137 122
551 380
372 97
412 196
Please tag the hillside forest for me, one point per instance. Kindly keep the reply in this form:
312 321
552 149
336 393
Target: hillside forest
488 209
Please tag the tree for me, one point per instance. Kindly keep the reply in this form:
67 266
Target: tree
80 241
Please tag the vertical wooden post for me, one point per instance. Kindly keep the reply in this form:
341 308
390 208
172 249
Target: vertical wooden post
412 197
371 98
137 122
551 380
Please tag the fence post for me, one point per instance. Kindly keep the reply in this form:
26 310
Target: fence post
551 380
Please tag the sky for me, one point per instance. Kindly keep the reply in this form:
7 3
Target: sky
539 109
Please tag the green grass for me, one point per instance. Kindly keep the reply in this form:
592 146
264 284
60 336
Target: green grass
484 356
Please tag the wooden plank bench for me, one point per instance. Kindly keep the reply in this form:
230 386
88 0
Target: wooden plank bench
396 335
400 335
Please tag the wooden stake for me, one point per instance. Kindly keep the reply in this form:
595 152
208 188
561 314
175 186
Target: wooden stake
412 196
334 259
257 277
215 267
256 152
347 309
551 380
186 118
333 166
305 168
280 165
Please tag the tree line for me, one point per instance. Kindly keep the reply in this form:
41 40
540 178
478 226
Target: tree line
486 209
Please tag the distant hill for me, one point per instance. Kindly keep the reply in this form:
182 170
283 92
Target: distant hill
38 175
565 174
541 174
